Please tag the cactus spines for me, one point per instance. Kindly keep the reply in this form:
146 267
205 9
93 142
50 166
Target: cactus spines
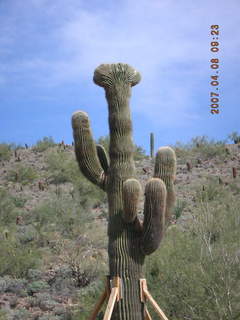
129 239
165 169
151 145
85 149
107 75
154 215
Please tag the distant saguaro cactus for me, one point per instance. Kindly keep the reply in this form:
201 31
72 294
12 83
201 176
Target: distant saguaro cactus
130 239
189 166
151 145
234 172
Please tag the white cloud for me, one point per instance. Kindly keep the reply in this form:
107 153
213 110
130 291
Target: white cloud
167 41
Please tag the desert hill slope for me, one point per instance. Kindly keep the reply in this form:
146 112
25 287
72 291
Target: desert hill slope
53 233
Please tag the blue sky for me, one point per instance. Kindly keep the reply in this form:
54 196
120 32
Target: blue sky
49 50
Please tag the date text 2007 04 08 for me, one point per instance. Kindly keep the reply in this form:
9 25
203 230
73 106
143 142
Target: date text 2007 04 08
214 96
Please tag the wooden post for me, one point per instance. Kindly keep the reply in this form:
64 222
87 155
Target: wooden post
101 300
98 305
146 295
115 295
147 315
113 290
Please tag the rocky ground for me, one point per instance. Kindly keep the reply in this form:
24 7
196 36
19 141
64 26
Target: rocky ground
51 293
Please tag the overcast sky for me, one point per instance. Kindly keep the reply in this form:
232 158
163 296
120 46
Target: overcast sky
49 50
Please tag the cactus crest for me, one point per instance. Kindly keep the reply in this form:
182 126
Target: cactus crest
108 74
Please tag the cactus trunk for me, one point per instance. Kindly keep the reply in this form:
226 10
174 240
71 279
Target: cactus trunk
125 258
130 239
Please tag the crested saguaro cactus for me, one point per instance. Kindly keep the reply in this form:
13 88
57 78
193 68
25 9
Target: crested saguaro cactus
130 239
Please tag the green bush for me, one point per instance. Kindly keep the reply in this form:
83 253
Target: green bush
16 259
210 190
235 137
37 286
3 315
8 210
208 149
60 214
200 148
44 144
179 208
5 151
62 167
26 233
139 153
22 174
19 202
195 275
21 313
87 299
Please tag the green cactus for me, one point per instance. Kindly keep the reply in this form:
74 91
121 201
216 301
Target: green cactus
130 239
151 145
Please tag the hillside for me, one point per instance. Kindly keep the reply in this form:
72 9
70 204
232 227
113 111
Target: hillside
53 230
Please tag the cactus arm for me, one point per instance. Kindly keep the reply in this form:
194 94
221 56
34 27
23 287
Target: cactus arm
154 215
131 194
103 157
85 150
165 169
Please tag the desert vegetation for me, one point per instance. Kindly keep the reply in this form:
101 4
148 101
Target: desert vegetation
53 238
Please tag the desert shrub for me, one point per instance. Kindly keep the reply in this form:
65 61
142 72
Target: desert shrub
210 190
235 137
8 210
199 148
139 153
87 193
59 214
82 262
37 286
5 151
16 146
12 285
22 174
182 151
19 202
21 313
61 167
26 233
234 187
3 315
44 144
195 274
87 299
207 148
16 259
179 208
